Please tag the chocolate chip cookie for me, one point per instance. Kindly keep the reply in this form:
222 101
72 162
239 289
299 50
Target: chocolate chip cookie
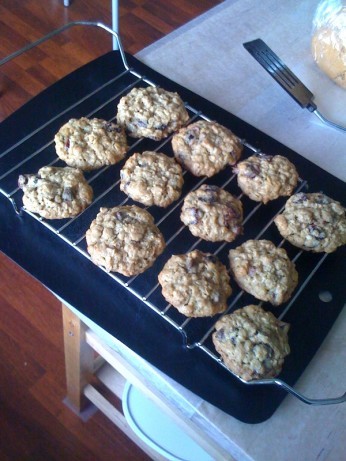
55 193
212 214
252 342
266 177
264 270
151 112
89 144
205 148
152 178
124 239
196 283
313 222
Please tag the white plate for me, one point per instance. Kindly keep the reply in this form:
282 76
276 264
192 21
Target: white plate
157 430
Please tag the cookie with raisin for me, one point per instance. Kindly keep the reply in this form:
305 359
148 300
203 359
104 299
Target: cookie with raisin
89 144
56 193
151 112
205 148
124 239
252 343
212 214
152 178
266 177
196 284
313 222
264 270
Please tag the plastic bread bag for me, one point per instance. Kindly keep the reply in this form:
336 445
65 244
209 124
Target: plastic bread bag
329 39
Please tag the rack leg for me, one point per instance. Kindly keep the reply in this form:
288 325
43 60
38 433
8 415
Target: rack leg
79 360
115 21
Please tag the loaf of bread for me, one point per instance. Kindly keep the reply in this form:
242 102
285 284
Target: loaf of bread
329 47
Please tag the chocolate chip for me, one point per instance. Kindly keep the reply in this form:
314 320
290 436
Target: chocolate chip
23 180
181 156
191 134
317 232
191 264
267 364
119 215
210 187
28 180
251 271
212 258
111 127
269 350
322 199
220 334
229 216
161 127
210 194
252 171
141 123
68 194
300 198
195 214
228 219
143 163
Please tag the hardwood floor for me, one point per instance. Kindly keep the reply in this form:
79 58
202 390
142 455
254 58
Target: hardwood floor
35 424
24 21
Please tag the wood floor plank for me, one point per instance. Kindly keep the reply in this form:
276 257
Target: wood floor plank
149 17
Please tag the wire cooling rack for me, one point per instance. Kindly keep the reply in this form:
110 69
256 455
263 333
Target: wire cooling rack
27 155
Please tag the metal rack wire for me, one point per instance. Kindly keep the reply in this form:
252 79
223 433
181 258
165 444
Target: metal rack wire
143 286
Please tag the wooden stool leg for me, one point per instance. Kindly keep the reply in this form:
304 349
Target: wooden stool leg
79 359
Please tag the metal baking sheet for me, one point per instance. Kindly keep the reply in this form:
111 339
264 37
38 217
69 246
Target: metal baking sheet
134 310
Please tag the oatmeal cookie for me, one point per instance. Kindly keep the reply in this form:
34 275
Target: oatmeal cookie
89 144
196 283
152 178
266 177
205 148
55 193
124 239
313 222
212 214
252 342
151 112
264 270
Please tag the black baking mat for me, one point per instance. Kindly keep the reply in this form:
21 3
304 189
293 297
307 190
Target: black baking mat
71 275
